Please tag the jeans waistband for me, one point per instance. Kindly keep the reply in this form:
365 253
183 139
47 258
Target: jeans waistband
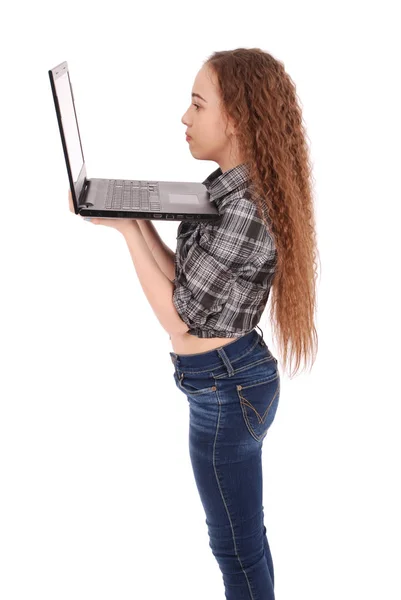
231 350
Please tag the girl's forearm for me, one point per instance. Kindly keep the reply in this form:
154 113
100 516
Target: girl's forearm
163 255
156 285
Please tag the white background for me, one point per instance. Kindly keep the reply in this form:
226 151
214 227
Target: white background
98 499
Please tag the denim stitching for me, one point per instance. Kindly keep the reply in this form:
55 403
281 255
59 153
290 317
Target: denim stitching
231 362
246 367
216 365
222 497
248 403
257 437
194 392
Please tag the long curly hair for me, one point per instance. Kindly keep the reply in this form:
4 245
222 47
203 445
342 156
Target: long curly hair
260 99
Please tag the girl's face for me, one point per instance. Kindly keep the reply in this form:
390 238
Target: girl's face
205 124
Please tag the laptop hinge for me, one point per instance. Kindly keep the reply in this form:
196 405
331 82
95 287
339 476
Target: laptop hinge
84 195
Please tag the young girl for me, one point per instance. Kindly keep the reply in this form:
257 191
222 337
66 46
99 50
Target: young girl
210 294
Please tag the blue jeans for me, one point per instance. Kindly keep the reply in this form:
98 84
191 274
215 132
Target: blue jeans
233 393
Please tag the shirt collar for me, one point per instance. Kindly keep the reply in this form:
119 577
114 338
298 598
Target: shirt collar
219 184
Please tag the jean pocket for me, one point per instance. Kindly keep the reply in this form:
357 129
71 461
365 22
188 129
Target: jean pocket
259 402
193 385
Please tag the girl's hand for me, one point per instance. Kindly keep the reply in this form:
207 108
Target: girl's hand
70 202
122 225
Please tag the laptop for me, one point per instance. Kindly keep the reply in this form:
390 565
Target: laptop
120 198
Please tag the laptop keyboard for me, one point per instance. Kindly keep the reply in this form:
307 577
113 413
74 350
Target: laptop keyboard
133 195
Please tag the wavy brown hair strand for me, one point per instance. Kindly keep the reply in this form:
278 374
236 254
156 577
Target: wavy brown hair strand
260 98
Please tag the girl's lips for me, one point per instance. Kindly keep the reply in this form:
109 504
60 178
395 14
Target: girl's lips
188 138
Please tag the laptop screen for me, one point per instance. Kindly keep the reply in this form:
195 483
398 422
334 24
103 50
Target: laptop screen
69 125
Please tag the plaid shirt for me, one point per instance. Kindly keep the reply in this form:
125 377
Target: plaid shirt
224 268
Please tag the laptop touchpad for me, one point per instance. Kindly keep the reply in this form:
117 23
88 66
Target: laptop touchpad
183 198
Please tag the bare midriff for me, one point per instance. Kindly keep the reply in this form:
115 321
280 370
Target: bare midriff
184 343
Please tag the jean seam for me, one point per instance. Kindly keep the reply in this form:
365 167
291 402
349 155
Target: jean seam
223 499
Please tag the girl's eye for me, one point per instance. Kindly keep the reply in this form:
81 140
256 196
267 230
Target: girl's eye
196 105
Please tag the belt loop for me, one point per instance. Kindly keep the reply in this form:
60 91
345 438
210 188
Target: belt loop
262 340
225 360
